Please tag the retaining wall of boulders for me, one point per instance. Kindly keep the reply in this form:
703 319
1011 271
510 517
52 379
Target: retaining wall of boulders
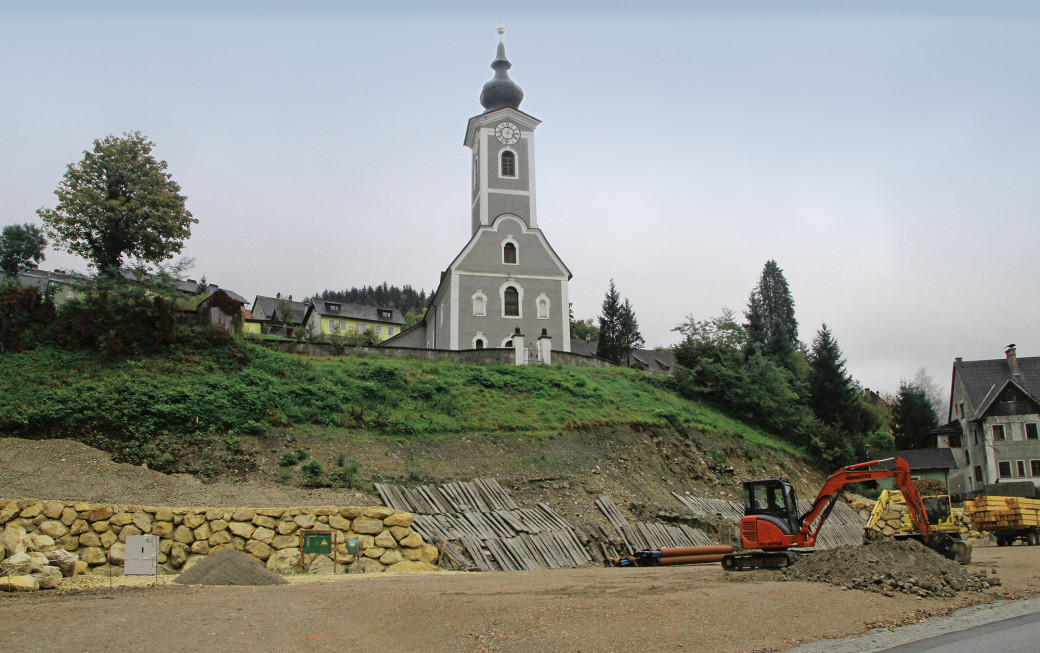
95 534
897 517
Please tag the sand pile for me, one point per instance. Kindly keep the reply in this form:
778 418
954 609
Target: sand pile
229 567
888 566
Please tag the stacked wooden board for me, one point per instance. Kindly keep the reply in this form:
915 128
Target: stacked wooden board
479 520
997 513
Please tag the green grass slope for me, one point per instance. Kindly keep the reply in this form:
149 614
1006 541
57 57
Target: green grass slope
209 383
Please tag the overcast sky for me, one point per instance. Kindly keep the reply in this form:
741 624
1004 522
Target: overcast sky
886 154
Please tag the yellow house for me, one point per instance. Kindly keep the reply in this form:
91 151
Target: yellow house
328 318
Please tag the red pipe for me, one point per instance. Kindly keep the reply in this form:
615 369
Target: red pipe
694 550
685 560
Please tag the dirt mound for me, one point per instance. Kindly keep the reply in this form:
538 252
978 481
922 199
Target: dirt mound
888 566
229 567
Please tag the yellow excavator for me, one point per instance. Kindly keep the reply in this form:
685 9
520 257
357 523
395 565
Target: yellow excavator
938 508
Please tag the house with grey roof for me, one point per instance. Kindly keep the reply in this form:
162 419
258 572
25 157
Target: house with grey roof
924 464
330 318
996 405
268 312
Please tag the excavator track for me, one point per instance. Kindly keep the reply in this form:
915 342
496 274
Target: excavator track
759 560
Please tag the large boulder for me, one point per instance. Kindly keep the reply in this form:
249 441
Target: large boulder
411 566
41 542
399 519
258 549
14 539
321 565
19 583
93 556
54 529
64 561
263 534
38 561
242 529
366 566
48 578
19 563
368 525
179 553
284 561
117 554
143 520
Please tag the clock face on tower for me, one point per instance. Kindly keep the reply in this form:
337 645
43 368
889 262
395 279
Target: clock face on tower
507 133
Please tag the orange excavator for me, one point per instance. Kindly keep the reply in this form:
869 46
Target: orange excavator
771 525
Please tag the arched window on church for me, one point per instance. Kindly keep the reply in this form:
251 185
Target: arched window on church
508 164
479 344
512 302
479 304
543 307
509 253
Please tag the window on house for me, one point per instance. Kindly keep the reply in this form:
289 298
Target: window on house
509 344
359 328
1031 432
975 435
978 473
479 344
389 331
509 253
1020 465
998 432
508 164
1034 467
333 307
379 330
385 315
955 441
512 302
1004 469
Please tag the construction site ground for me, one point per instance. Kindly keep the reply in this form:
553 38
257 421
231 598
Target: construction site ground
699 608
580 609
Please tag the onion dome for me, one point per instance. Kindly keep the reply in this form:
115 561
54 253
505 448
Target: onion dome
501 92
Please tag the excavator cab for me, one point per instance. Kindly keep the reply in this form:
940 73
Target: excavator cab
774 501
937 508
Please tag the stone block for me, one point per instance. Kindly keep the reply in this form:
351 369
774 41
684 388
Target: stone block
351 512
33 510
203 532
108 538
285 541
143 521
399 519
284 561
258 549
79 527
386 540
373 552
101 513
367 566
163 529
219 538
241 529
368 525
411 554
430 553
339 523
276 513
98 526
127 531
79 567
89 538
305 521
121 519
117 554
68 515
93 556
286 527
20 583
410 566
214 514
54 529
8 513
242 514
391 557
165 546
379 512
19 563
399 532
68 542
194 520
200 547
263 534
412 540
265 522
183 534
239 543
164 514
218 525
53 509
14 539
179 554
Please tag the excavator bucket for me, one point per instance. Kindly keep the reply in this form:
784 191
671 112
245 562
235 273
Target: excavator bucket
950 547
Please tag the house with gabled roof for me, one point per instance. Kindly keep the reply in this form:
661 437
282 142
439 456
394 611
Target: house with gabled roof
267 313
996 405
328 318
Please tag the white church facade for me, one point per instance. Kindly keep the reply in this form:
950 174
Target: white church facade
507 280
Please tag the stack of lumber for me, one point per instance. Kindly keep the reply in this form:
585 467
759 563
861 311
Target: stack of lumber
995 513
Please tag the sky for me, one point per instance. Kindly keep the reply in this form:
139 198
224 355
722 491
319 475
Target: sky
885 154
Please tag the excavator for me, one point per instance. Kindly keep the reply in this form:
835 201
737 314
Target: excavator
938 507
771 525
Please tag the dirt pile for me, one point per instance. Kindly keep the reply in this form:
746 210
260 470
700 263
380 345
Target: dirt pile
229 567
889 566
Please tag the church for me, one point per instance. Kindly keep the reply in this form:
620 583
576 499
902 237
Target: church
507 283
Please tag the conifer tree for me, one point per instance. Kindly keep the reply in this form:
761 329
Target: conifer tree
618 328
914 417
770 316
831 392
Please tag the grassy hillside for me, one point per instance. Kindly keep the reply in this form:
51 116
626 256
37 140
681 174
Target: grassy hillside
210 384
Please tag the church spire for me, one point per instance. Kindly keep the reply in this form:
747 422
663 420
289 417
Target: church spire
501 92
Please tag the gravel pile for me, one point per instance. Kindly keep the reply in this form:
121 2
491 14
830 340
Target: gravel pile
889 566
229 567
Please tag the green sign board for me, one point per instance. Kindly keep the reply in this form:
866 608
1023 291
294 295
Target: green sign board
317 542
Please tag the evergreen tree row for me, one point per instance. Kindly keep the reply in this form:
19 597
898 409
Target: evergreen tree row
405 299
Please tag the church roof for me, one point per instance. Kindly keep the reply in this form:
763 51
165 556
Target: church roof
501 92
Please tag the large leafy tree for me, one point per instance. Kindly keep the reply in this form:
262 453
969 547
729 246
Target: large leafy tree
771 324
914 417
618 328
20 244
119 202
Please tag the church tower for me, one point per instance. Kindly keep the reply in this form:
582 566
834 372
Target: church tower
507 281
502 141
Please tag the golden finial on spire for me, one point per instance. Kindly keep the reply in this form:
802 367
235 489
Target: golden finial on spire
501 30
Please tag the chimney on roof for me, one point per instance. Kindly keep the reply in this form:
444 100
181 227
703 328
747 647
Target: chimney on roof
958 359
1012 358
278 295
290 297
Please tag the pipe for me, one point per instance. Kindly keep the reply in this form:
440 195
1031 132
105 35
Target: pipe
686 560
